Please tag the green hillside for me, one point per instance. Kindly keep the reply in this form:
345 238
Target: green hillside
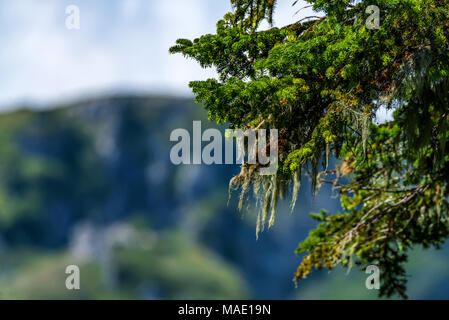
91 184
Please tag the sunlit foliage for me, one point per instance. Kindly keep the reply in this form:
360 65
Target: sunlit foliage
320 81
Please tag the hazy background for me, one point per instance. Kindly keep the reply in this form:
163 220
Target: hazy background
122 45
86 179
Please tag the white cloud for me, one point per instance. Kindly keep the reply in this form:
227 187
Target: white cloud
131 8
122 45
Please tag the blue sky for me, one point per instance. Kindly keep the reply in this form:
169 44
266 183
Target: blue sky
122 46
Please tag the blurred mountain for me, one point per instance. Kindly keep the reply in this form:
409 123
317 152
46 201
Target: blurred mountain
91 184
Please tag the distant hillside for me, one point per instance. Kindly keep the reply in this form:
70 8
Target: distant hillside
92 184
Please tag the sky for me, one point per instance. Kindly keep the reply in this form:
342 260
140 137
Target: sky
121 47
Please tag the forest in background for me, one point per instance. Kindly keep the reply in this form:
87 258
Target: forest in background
90 183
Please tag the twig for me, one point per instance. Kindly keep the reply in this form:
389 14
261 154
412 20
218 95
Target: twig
318 18
302 9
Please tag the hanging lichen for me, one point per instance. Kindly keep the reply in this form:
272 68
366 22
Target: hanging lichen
320 82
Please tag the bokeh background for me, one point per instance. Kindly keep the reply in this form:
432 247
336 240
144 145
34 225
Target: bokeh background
86 178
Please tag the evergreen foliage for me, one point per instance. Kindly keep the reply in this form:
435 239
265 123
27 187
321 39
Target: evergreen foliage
320 81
